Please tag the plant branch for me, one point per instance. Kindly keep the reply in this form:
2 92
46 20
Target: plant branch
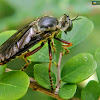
58 73
36 87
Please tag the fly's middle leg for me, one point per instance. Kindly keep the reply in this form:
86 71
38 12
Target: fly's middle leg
53 46
27 63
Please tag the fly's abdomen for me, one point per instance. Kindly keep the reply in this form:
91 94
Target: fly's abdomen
14 47
7 53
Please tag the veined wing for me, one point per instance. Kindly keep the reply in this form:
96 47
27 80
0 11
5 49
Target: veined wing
18 43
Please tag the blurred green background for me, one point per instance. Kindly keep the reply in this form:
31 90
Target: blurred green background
16 13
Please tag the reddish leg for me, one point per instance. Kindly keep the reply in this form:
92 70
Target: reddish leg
65 45
29 54
50 58
65 42
2 63
33 51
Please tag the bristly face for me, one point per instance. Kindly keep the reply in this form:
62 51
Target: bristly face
65 23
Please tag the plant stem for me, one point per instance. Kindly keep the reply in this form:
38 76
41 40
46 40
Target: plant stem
58 74
36 87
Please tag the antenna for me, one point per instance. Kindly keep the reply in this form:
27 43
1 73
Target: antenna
76 18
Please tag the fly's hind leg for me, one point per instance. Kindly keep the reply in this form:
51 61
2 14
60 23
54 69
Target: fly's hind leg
50 58
29 54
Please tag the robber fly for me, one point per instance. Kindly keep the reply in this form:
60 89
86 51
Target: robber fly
41 30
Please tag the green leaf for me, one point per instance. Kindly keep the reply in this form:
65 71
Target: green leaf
2 68
40 56
78 92
16 64
5 35
13 85
67 91
91 91
81 30
78 68
97 58
41 75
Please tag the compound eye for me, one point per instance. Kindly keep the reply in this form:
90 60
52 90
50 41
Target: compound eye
70 26
66 15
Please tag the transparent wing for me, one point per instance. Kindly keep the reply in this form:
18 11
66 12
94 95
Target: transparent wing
20 42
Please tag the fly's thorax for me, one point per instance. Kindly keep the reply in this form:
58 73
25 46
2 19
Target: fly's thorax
34 26
47 24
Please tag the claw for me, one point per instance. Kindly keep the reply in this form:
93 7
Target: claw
66 51
54 49
55 63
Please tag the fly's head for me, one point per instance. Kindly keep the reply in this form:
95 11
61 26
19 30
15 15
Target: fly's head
65 23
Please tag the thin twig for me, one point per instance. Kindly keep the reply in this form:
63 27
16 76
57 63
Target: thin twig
58 74
35 86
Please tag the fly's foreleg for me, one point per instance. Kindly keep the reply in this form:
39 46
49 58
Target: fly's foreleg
50 58
29 54
65 45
